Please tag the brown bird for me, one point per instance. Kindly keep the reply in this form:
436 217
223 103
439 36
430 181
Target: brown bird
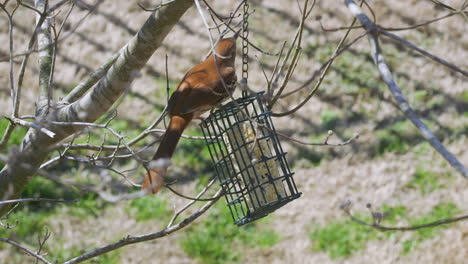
204 86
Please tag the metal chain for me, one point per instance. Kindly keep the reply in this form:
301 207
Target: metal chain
245 49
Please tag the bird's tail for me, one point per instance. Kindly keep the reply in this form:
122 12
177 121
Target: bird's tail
154 179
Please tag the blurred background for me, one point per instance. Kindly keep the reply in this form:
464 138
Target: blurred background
389 166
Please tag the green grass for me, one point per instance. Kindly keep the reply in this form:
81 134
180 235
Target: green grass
329 118
421 95
389 141
312 156
217 240
425 181
362 79
33 217
15 138
150 208
61 254
161 86
439 212
17 135
463 96
41 187
398 138
191 153
343 238
193 157
87 206
28 223
435 102
423 149
393 213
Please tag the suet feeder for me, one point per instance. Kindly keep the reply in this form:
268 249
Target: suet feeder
248 159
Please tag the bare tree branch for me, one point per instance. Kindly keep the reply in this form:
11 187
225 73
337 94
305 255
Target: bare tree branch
325 65
322 75
386 74
423 52
221 19
153 8
26 250
45 46
58 5
377 217
91 106
181 210
295 58
42 240
418 25
324 143
92 79
25 200
13 92
25 123
136 239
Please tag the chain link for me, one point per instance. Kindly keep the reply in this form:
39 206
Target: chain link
245 48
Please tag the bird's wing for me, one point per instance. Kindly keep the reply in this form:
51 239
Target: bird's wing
178 98
199 100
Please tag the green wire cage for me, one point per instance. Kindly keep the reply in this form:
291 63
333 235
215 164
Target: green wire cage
249 160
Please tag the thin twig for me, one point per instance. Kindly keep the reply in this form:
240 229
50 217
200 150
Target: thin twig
132 142
26 250
29 7
181 210
30 50
378 217
105 126
57 5
167 80
205 22
42 240
423 52
417 25
438 3
153 9
136 239
55 48
324 65
324 143
295 58
11 49
196 199
322 75
13 92
221 19
7 225
403 104
36 126
25 200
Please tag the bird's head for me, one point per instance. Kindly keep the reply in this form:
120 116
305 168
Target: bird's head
226 48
